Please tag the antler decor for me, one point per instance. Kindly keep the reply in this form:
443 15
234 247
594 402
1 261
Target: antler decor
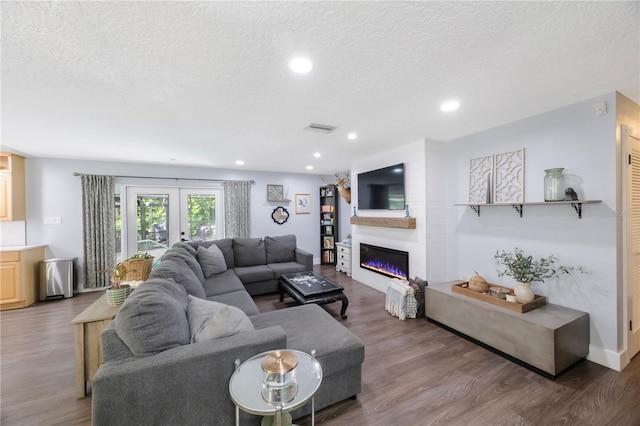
344 186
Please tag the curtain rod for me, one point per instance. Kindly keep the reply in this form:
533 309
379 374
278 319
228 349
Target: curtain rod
168 178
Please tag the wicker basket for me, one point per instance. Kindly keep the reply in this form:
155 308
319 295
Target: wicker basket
137 269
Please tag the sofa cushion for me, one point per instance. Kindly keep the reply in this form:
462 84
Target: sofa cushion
285 268
249 252
225 282
210 320
178 270
184 255
252 274
240 299
310 327
154 317
280 249
211 260
188 247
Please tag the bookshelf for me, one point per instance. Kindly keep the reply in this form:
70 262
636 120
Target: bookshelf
328 224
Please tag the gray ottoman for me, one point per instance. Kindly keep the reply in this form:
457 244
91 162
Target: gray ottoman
339 351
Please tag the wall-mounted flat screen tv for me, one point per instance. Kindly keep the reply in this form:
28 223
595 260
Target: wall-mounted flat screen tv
382 189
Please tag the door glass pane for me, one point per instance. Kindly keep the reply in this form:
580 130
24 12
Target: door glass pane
153 223
118 228
201 217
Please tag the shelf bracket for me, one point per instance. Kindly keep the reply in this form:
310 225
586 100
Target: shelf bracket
578 209
518 208
476 209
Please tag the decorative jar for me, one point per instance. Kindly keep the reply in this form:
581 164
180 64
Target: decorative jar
554 184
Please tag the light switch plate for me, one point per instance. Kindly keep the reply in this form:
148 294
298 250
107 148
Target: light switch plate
53 220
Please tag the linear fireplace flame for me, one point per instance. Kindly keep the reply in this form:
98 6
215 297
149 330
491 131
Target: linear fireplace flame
385 261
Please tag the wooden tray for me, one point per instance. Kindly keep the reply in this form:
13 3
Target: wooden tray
462 288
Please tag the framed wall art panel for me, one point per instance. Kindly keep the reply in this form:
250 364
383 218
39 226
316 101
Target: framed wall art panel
509 177
480 179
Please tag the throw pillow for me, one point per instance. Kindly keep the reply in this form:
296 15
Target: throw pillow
211 260
210 320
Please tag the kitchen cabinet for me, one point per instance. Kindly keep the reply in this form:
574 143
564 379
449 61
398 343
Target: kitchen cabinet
12 187
19 277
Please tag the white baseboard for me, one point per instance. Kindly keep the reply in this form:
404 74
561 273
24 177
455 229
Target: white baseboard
614 360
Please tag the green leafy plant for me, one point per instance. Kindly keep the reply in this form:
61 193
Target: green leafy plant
141 256
525 269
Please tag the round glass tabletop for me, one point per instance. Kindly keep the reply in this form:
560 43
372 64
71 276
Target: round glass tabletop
246 384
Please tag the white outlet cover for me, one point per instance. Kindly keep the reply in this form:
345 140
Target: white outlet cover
53 220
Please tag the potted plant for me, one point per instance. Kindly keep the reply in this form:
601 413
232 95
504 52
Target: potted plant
117 292
524 269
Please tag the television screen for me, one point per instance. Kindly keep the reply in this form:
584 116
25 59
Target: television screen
382 189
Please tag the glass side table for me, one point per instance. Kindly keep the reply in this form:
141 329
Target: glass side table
245 387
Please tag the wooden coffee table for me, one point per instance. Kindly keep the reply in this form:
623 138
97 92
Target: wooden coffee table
309 287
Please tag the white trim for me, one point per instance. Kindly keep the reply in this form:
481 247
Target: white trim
615 361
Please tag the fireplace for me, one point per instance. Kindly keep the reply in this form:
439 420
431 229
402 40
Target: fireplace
385 261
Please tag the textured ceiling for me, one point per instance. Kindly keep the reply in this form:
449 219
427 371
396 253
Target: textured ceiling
206 83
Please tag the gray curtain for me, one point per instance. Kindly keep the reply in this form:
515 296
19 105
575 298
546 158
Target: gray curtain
237 200
98 220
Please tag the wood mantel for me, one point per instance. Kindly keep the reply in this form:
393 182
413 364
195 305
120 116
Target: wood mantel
385 222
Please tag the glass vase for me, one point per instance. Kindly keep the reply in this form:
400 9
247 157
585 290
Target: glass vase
554 184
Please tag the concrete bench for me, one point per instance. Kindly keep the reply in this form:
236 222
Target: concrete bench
548 339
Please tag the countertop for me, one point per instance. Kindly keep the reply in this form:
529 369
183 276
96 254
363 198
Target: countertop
21 248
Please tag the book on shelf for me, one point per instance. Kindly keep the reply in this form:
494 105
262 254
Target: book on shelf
328 256
326 209
328 242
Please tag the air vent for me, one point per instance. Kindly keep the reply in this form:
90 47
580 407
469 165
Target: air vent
324 128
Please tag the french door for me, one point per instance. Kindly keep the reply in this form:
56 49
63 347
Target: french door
158 217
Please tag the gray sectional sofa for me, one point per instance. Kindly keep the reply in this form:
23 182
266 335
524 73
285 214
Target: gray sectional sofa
169 354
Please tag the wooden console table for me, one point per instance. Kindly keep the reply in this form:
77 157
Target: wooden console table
88 326
548 339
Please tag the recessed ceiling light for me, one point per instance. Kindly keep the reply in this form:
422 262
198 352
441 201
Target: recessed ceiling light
316 154
450 106
352 136
300 65
240 162
309 167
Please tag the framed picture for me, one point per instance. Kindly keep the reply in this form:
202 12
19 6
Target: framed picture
303 203
275 192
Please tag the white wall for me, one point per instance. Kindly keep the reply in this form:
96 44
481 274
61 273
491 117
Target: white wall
410 240
52 190
584 144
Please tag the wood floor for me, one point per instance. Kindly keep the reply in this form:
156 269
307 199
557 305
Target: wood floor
414 373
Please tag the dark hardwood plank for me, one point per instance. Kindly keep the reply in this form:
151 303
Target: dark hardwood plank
414 373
